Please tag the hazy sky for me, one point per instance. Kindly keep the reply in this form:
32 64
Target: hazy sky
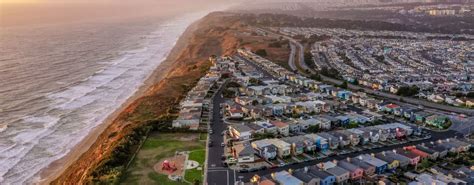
25 12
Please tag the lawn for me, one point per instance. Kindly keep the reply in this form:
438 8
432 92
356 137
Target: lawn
195 174
157 147
203 136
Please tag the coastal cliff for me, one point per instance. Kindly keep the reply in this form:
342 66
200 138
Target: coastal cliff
218 34
186 63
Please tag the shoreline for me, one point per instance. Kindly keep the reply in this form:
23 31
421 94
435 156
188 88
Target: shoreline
57 168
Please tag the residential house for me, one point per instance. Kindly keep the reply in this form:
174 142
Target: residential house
369 132
244 153
267 127
297 144
285 178
324 122
426 179
306 123
326 178
283 148
442 151
344 95
363 137
240 132
421 116
380 166
433 155
391 108
342 175
320 142
369 170
265 149
403 161
354 138
438 121
294 126
344 120
414 159
257 129
462 146
416 151
332 140
392 163
355 172
344 140
306 177
282 127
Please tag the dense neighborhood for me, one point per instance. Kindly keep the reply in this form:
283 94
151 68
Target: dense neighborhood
273 118
435 67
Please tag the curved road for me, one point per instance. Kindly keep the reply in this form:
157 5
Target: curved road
291 60
414 101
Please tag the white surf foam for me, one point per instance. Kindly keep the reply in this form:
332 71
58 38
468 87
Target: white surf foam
78 109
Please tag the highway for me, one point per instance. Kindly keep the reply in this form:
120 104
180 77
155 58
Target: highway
291 59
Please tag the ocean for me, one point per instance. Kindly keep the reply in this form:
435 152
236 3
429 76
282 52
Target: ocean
58 82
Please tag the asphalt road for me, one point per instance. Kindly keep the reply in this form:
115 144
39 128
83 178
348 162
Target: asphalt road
291 60
216 173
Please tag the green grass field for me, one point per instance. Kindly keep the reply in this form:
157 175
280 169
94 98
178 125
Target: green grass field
195 174
159 146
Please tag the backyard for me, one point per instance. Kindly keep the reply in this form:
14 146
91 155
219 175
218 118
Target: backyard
159 146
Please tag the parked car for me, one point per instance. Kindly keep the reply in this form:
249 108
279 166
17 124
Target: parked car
210 144
223 144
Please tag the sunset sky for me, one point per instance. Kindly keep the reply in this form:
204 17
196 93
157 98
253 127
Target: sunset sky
28 12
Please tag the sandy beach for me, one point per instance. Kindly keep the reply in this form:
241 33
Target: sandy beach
55 169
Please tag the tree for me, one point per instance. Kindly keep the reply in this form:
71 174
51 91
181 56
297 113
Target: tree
254 102
313 129
261 52
316 77
343 85
470 95
260 136
355 82
255 81
408 91
233 84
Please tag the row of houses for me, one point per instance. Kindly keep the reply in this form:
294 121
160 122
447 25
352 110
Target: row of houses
415 115
368 166
412 114
197 100
269 149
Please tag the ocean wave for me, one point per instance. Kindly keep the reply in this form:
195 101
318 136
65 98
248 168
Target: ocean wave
39 139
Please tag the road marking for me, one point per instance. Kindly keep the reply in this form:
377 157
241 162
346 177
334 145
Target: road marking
234 177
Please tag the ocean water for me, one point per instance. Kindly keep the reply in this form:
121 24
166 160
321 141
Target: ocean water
58 82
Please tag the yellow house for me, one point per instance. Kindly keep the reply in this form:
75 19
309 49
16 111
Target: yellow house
389 158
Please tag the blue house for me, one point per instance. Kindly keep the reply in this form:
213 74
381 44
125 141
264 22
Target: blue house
278 110
344 120
345 95
326 178
380 166
408 113
320 142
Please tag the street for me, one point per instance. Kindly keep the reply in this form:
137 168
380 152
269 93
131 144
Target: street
216 173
